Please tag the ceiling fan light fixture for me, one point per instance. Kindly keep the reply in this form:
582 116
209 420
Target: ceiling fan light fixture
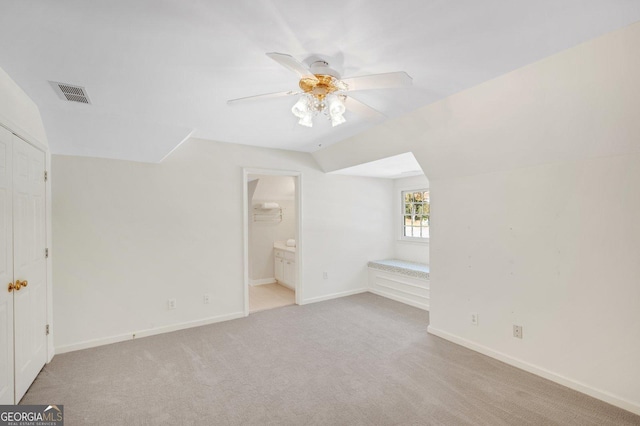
337 120
309 105
336 109
306 120
322 89
336 106
301 108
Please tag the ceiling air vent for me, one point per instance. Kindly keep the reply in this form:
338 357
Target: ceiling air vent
70 92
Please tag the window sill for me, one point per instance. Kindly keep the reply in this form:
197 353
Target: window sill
414 241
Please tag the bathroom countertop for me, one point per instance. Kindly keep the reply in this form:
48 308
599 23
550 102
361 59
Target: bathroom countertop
281 245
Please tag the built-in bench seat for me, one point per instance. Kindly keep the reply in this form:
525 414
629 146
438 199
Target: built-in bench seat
401 280
411 269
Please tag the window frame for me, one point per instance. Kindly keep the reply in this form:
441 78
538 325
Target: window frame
401 211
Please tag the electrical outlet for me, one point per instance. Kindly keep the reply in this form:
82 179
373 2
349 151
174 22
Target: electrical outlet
206 299
171 303
474 318
517 331
325 275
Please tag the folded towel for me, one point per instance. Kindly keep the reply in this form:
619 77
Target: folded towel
270 206
291 243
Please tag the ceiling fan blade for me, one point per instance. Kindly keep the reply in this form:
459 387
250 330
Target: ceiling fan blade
265 96
293 64
388 80
362 109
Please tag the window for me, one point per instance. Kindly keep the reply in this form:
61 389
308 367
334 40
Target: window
415 220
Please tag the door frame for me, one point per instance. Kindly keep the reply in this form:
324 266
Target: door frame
34 148
246 171
29 338
42 146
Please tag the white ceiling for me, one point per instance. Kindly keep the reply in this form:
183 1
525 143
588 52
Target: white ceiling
158 71
398 166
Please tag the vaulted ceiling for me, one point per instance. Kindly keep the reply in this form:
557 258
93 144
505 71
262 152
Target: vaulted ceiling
159 71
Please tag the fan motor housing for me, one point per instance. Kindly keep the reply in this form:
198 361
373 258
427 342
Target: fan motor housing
320 88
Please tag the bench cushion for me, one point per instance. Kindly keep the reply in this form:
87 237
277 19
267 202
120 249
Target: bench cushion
411 269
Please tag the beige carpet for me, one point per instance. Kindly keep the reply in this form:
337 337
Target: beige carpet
359 360
269 296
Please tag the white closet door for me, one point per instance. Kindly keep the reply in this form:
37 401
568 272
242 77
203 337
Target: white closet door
29 264
6 270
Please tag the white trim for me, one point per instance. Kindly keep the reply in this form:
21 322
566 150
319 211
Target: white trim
413 240
177 146
146 333
408 293
539 371
287 285
245 239
49 261
401 278
400 237
246 171
409 298
334 296
401 299
23 134
262 281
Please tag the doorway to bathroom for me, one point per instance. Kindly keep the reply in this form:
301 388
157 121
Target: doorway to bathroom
272 243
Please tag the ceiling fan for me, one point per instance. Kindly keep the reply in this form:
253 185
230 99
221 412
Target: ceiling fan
323 91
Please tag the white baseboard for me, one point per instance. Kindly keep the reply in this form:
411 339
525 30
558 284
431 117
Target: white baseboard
400 299
289 286
145 333
262 281
539 371
333 296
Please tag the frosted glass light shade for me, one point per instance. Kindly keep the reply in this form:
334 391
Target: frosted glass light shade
306 120
309 106
336 107
301 108
337 119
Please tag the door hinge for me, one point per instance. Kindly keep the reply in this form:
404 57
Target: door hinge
46 175
47 329
46 253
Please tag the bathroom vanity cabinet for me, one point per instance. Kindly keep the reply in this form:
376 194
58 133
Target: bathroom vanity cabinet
285 266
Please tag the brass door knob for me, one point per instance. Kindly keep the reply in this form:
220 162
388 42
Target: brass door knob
11 287
24 283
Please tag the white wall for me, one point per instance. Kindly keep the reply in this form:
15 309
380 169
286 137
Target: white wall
554 249
131 235
408 250
534 182
262 235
